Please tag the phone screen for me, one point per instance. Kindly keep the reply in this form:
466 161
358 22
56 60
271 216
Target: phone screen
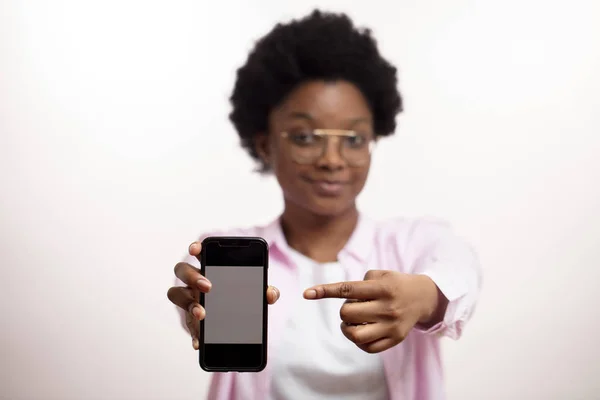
233 336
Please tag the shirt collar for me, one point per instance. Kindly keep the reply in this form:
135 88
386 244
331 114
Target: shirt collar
359 246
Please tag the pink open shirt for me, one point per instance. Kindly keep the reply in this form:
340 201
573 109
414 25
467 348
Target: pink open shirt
413 368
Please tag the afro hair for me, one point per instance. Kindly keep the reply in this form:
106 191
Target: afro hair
320 46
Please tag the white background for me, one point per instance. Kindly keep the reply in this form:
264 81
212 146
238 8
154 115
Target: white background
116 152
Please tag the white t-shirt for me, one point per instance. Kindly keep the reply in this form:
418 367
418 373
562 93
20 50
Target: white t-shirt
315 360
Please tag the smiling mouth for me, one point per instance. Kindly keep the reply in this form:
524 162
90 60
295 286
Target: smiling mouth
327 188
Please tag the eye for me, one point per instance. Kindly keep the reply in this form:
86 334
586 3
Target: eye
303 138
356 141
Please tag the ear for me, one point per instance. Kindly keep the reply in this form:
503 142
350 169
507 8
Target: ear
261 145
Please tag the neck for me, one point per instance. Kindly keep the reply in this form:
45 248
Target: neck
318 237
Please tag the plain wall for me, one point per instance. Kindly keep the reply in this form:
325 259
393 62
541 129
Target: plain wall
116 152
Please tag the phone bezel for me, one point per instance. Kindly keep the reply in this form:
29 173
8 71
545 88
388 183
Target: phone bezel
236 242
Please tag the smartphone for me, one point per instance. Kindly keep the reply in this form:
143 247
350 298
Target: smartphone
233 335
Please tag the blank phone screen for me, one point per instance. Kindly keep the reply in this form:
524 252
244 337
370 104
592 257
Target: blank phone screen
234 306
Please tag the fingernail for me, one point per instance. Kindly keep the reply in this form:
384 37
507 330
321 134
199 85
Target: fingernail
195 343
277 293
204 283
310 294
197 311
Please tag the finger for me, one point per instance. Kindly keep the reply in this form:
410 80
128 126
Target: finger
378 346
360 290
195 248
363 334
358 312
193 326
187 299
192 277
272 294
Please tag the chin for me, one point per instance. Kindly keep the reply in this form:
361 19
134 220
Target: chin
330 207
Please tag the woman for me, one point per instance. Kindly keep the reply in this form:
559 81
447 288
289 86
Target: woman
308 105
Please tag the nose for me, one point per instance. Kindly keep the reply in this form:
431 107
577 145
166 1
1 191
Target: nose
331 158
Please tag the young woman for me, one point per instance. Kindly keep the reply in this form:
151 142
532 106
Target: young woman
363 303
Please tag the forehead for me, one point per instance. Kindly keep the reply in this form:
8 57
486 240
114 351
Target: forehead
327 103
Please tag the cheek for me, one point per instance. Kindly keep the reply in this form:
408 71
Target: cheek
286 172
360 179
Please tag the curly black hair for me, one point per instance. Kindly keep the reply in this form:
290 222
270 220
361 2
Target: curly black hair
320 46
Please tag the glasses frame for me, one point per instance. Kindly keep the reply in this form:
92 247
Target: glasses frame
327 133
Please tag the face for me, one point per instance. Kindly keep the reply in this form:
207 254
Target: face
329 185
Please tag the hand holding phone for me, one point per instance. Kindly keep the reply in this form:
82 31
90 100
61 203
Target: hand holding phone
188 297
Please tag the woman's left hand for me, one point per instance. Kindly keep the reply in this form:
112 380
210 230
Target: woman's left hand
381 310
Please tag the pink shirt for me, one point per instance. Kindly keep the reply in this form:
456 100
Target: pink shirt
413 369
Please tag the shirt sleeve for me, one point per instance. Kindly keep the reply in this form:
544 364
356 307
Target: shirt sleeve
454 267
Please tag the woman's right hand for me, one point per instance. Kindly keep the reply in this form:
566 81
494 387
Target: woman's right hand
188 297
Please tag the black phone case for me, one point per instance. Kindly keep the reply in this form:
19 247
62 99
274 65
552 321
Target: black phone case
234 240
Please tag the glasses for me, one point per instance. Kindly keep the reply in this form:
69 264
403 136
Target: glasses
306 147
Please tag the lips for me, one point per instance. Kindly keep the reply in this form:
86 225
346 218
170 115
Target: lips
327 188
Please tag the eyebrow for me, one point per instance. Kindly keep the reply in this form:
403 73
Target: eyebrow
300 115
308 117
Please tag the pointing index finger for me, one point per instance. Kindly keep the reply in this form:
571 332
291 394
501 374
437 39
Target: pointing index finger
359 290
